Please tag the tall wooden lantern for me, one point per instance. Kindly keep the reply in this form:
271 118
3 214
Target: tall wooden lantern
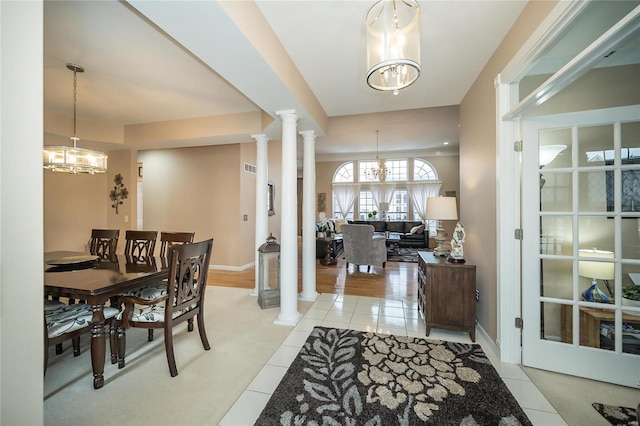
269 274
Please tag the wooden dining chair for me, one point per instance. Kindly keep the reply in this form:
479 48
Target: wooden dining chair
170 239
140 244
104 242
64 322
184 300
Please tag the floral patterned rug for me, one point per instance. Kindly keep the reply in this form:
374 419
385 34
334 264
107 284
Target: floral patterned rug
618 416
347 377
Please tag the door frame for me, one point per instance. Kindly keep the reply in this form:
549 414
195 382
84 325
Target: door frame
508 131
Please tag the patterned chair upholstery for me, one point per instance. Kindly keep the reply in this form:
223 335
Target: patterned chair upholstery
361 247
184 300
67 322
155 290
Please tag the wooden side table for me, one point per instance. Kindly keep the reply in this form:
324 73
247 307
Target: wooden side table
333 248
446 294
590 320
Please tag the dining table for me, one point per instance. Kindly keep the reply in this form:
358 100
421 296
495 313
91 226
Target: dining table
81 276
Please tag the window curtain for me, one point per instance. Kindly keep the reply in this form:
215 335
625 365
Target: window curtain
345 196
382 193
419 192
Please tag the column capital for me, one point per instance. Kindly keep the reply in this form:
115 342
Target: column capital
261 137
287 113
308 134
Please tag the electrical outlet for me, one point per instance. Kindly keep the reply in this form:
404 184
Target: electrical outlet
477 295
245 217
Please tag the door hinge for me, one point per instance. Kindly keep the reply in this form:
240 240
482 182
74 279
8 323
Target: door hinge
518 234
517 146
519 322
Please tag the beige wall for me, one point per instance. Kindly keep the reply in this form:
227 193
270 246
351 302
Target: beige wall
478 163
211 179
73 205
76 204
197 189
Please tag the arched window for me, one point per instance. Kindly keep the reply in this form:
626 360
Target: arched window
344 173
422 170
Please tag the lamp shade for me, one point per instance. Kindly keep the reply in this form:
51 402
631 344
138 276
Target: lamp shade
443 208
548 153
384 206
593 269
393 44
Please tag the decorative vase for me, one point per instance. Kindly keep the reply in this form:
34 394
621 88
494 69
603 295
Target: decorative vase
633 304
594 294
320 234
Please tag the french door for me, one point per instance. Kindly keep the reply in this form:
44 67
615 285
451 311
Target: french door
581 244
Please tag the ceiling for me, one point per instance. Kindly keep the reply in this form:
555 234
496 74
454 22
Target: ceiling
137 73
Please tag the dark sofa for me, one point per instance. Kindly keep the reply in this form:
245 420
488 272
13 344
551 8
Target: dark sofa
407 239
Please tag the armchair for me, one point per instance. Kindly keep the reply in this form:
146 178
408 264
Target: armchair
361 247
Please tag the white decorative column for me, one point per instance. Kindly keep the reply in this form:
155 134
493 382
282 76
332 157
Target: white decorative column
262 215
309 292
289 314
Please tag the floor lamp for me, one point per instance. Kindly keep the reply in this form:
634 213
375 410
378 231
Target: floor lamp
441 208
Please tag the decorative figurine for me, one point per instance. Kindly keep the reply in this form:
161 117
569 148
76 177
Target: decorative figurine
457 251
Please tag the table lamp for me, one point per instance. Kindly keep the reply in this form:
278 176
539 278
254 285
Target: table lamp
441 208
596 271
384 207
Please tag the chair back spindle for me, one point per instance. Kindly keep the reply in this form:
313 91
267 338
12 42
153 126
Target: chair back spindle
103 242
140 245
171 239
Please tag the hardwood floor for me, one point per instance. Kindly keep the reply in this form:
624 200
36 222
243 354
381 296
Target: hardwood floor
398 281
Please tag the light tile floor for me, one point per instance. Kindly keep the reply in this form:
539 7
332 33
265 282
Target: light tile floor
381 316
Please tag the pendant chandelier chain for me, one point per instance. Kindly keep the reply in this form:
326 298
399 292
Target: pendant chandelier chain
75 101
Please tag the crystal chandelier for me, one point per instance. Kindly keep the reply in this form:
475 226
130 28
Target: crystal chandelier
379 171
73 159
393 44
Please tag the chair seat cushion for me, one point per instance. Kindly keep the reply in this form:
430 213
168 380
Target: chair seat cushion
68 318
150 292
151 313
50 305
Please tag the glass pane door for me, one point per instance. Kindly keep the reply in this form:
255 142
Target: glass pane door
581 247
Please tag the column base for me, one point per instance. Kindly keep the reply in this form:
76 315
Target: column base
309 297
287 321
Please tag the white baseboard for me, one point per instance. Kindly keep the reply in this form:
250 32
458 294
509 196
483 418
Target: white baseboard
232 268
493 346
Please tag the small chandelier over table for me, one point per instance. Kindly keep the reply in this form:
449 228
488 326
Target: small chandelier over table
380 171
71 159
393 44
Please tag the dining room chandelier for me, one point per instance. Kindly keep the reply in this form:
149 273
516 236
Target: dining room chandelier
71 159
380 171
393 44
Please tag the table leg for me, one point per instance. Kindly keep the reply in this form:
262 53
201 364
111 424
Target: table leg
328 258
98 345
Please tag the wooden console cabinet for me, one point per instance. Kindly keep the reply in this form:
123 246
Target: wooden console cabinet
446 294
